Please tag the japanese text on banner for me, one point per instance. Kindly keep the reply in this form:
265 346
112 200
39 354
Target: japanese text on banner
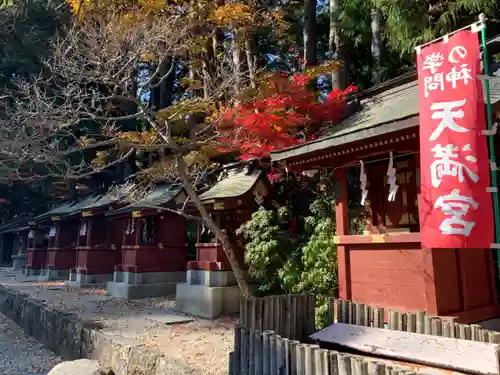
455 208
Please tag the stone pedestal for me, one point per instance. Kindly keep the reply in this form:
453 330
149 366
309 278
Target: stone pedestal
210 290
134 285
94 265
60 260
149 271
208 300
19 261
48 274
36 261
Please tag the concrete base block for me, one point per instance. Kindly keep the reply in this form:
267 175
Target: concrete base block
149 277
32 271
211 278
207 302
48 274
134 285
19 262
77 279
128 291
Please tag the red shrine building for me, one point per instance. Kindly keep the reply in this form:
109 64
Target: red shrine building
52 252
154 245
134 250
98 244
211 289
384 263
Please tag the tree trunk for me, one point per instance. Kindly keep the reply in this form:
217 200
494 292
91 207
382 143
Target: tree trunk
376 44
167 86
220 234
237 63
310 54
251 59
208 70
337 48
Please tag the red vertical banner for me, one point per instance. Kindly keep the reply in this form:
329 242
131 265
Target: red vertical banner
455 206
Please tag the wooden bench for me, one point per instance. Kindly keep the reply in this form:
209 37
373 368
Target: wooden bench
442 352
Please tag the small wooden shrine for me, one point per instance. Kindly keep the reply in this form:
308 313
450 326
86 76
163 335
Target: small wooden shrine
38 242
59 246
211 289
96 246
384 263
154 246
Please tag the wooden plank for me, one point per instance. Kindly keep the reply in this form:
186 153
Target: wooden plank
458 355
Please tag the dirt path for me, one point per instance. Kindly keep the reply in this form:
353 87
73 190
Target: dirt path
202 345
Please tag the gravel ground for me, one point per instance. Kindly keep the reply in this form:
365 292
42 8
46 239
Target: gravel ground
20 354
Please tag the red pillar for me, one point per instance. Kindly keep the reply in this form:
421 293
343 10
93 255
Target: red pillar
342 225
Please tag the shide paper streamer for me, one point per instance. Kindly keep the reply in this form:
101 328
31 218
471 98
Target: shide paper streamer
364 183
391 180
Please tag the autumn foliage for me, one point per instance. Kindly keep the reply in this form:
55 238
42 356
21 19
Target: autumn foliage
280 119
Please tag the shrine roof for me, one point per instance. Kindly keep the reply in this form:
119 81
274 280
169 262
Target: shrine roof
389 111
159 196
62 209
16 225
83 204
235 183
102 201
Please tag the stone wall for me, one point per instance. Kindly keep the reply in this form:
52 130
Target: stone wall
71 338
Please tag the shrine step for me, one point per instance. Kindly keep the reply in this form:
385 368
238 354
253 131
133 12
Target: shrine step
453 354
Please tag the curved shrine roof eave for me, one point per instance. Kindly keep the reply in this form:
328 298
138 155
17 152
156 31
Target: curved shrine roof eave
306 150
16 229
392 110
159 196
81 205
62 209
16 225
235 184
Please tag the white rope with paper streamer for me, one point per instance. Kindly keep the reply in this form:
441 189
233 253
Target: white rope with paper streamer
364 184
391 180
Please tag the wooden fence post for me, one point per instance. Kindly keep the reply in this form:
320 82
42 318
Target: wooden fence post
266 352
437 327
259 356
393 319
420 321
367 315
244 357
293 361
344 363
243 311
411 322
312 314
231 370
447 328
301 359
333 363
251 352
378 317
237 347
340 311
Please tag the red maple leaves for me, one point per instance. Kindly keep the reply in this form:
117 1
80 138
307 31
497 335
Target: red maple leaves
278 120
